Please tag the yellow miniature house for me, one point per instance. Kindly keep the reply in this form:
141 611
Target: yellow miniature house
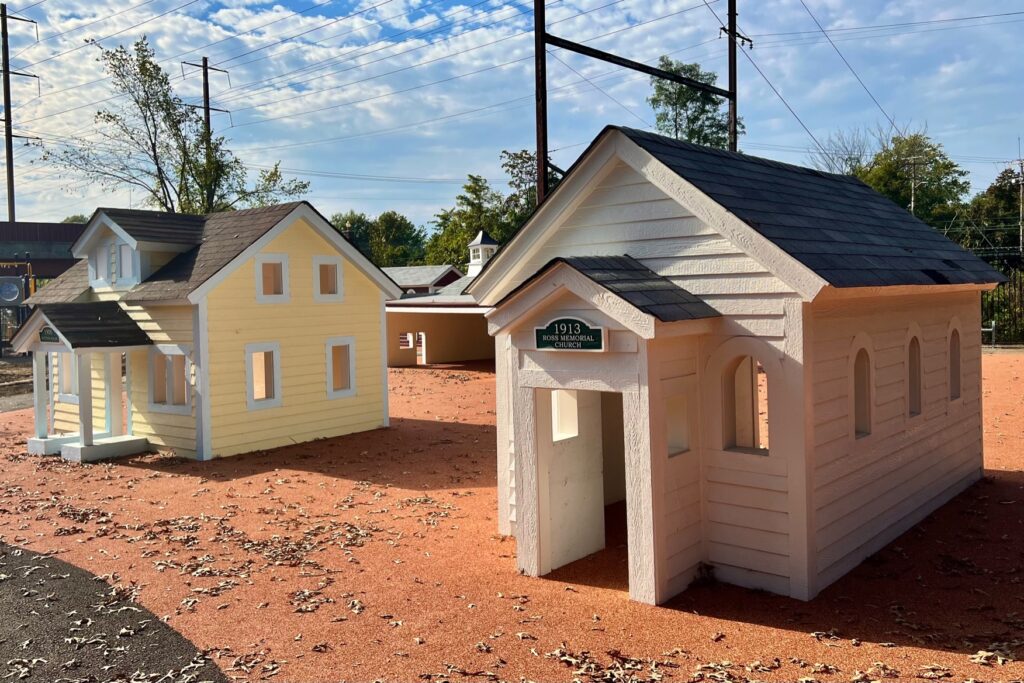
229 333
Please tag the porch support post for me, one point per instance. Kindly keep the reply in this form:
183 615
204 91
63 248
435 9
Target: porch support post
503 353
527 481
115 405
39 394
85 398
642 525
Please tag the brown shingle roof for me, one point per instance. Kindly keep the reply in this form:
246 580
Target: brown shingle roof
224 236
158 226
65 288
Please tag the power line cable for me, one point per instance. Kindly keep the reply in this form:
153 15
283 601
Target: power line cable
849 66
79 28
771 85
897 25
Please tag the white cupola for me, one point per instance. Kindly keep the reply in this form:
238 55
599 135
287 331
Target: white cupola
481 249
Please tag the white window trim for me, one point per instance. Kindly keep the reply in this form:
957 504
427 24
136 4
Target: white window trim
329 377
328 260
250 402
171 350
286 292
73 370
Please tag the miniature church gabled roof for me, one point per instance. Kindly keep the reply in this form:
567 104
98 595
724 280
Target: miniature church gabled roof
812 229
483 240
839 227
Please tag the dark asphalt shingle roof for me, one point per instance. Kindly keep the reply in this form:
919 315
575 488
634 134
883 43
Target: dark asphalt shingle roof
64 288
224 236
95 324
158 226
416 276
636 284
838 227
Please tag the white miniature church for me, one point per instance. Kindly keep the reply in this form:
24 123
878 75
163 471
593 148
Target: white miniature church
777 369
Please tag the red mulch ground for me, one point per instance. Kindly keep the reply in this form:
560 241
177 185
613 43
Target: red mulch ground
376 556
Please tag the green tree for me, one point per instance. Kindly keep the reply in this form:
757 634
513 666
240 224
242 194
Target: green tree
991 221
388 240
395 241
478 207
915 166
76 218
685 113
356 227
152 141
521 168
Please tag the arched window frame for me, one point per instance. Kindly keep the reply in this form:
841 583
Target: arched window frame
862 342
954 362
913 333
723 358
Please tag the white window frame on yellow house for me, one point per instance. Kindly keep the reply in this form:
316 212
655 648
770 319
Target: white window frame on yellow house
330 345
251 402
286 293
339 284
165 352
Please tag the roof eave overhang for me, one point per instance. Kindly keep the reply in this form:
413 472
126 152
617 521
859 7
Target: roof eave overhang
559 278
832 293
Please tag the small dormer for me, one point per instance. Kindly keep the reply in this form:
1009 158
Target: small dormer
125 246
481 250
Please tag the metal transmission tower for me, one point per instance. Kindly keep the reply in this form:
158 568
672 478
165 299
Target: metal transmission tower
208 129
8 123
542 39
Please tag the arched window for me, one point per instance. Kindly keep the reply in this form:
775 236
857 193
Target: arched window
862 394
745 406
954 365
914 377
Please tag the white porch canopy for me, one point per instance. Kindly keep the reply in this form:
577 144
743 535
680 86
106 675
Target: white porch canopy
81 334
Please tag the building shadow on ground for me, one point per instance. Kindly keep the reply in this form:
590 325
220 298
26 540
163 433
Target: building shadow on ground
954 582
411 453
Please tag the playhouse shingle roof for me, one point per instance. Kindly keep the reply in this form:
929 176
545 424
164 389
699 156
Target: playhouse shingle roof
844 231
95 324
158 226
64 288
636 284
224 236
413 276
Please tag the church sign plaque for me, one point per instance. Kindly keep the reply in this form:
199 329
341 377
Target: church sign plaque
570 334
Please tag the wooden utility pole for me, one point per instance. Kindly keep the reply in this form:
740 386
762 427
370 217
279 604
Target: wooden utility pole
8 122
207 127
542 39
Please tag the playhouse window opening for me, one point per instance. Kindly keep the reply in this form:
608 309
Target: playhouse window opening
125 271
273 278
954 365
340 367
328 279
862 394
914 377
170 379
745 413
564 415
263 380
405 340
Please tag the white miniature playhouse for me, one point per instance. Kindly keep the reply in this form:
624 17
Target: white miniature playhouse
776 369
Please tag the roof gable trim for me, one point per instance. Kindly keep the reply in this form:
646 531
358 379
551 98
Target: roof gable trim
99 220
323 227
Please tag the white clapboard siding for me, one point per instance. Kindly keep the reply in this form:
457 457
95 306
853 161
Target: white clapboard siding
625 214
869 490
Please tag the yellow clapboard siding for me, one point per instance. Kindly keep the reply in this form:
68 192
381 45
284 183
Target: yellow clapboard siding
164 430
301 326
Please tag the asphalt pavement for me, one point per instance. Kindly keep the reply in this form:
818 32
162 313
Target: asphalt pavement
59 623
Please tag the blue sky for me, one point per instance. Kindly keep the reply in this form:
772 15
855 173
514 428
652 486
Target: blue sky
388 104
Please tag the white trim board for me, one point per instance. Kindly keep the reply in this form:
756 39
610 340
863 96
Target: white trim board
286 291
274 402
329 345
339 264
